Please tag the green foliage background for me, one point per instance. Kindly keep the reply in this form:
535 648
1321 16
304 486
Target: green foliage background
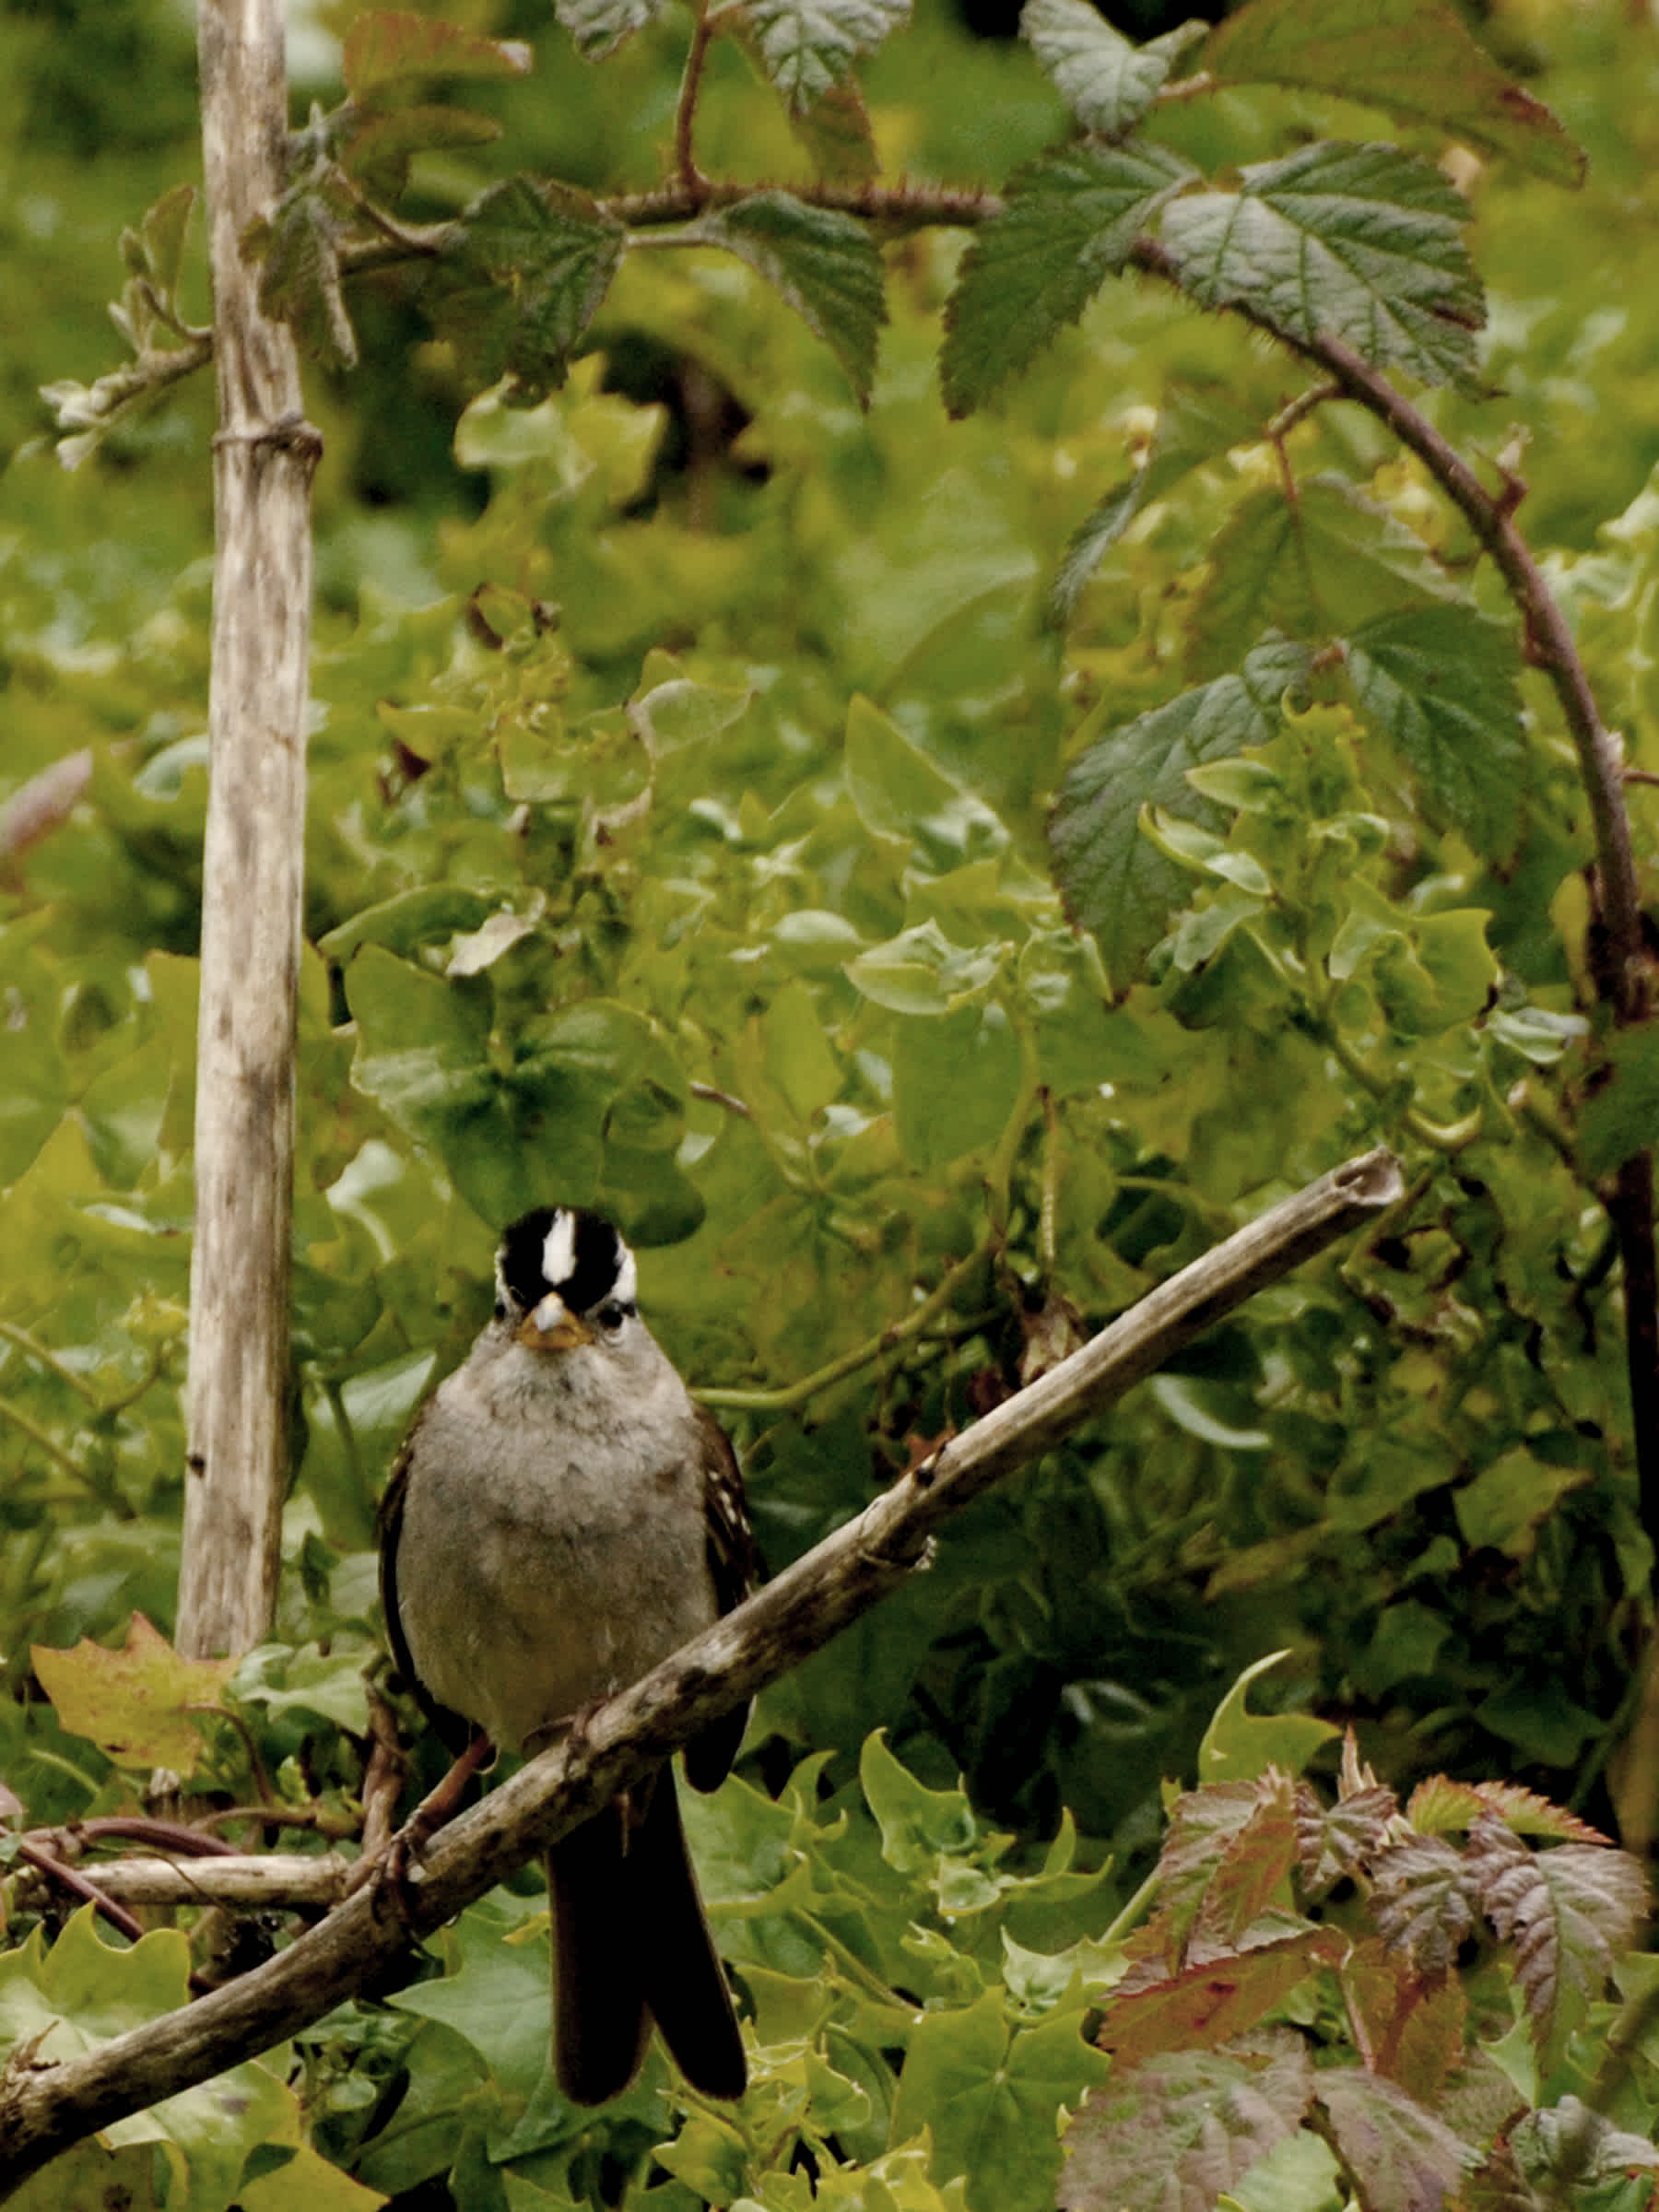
689 738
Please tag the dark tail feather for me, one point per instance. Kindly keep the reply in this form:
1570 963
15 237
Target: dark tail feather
600 2024
683 1980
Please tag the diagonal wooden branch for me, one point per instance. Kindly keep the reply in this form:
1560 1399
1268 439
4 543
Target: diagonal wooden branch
45 2107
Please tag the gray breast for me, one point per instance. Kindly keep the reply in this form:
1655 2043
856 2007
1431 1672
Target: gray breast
553 1544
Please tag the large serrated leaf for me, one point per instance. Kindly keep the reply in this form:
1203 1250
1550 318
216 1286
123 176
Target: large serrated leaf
1414 57
1193 427
1068 222
1414 2023
1440 684
1113 880
823 264
1106 80
1403 2158
1334 1842
520 279
1363 243
807 46
1622 1116
1227 1995
599 27
1178 2132
1570 1911
388 48
1420 1902
1317 567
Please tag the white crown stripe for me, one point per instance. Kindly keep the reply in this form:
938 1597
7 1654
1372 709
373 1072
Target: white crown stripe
558 1253
628 1275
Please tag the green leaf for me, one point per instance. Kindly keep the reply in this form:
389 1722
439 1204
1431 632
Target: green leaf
838 135
1194 426
956 1081
591 1088
894 785
917 1824
920 971
807 46
1069 221
379 150
825 266
156 249
1363 243
387 48
277 1678
1315 567
953 2084
1113 880
496 1993
1239 1744
1622 1116
1106 80
408 920
1414 57
83 1992
520 280
798 1059
1504 1504
1441 684
599 27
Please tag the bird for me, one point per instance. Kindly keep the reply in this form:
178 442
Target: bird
561 1517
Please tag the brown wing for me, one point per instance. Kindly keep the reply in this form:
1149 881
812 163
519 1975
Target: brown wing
731 1569
452 1729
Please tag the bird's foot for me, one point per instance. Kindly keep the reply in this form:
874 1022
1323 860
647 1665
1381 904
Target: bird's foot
389 1868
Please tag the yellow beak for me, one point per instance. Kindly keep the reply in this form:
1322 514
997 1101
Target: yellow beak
553 1327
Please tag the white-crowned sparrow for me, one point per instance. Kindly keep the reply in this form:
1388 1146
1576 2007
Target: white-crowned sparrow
561 1517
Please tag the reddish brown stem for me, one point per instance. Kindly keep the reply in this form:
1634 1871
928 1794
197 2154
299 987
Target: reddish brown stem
79 1886
691 178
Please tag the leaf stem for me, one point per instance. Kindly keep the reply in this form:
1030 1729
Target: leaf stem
53 1449
689 177
915 1323
39 1352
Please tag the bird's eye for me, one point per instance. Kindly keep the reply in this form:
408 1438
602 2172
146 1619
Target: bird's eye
613 1313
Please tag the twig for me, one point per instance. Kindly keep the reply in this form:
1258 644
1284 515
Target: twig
132 1828
45 2108
38 805
262 1880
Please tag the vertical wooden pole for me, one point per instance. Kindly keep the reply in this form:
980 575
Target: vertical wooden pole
264 456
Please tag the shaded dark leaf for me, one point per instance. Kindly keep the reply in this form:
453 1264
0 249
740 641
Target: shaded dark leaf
1067 223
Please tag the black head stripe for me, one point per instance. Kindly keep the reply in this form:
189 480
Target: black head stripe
598 1253
521 1257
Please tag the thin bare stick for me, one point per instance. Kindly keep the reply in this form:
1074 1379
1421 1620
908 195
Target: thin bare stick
45 2108
262 1880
